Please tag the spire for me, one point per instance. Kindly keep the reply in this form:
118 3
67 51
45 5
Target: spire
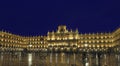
70 30
52 32
89 33
76 30
48 32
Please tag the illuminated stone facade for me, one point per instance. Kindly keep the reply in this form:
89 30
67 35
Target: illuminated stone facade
61 40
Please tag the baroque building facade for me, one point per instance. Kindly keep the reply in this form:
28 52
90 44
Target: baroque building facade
62 40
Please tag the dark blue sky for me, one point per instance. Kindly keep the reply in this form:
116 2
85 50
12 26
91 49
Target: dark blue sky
30 17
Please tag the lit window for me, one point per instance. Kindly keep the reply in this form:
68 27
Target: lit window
93 37
102 41
97 41
93 45
85 41
58 38
89 37
2 39
93 41
89 45
106 41
89 41
97 37
2 35
81 37
98 46
65 38
105 37
81 41
109 45
70 37
53 38
101 37
81 45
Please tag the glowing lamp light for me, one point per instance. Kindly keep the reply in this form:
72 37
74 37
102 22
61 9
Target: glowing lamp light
30 45
29 59
86 45
87 64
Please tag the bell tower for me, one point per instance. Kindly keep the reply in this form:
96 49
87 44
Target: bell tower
62 29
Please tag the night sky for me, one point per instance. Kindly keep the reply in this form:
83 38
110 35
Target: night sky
30 17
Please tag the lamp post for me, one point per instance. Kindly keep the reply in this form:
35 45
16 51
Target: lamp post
84 57
30 47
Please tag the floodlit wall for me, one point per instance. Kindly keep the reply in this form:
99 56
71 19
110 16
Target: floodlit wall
62 39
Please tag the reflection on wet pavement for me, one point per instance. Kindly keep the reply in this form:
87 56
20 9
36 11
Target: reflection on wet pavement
58 59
